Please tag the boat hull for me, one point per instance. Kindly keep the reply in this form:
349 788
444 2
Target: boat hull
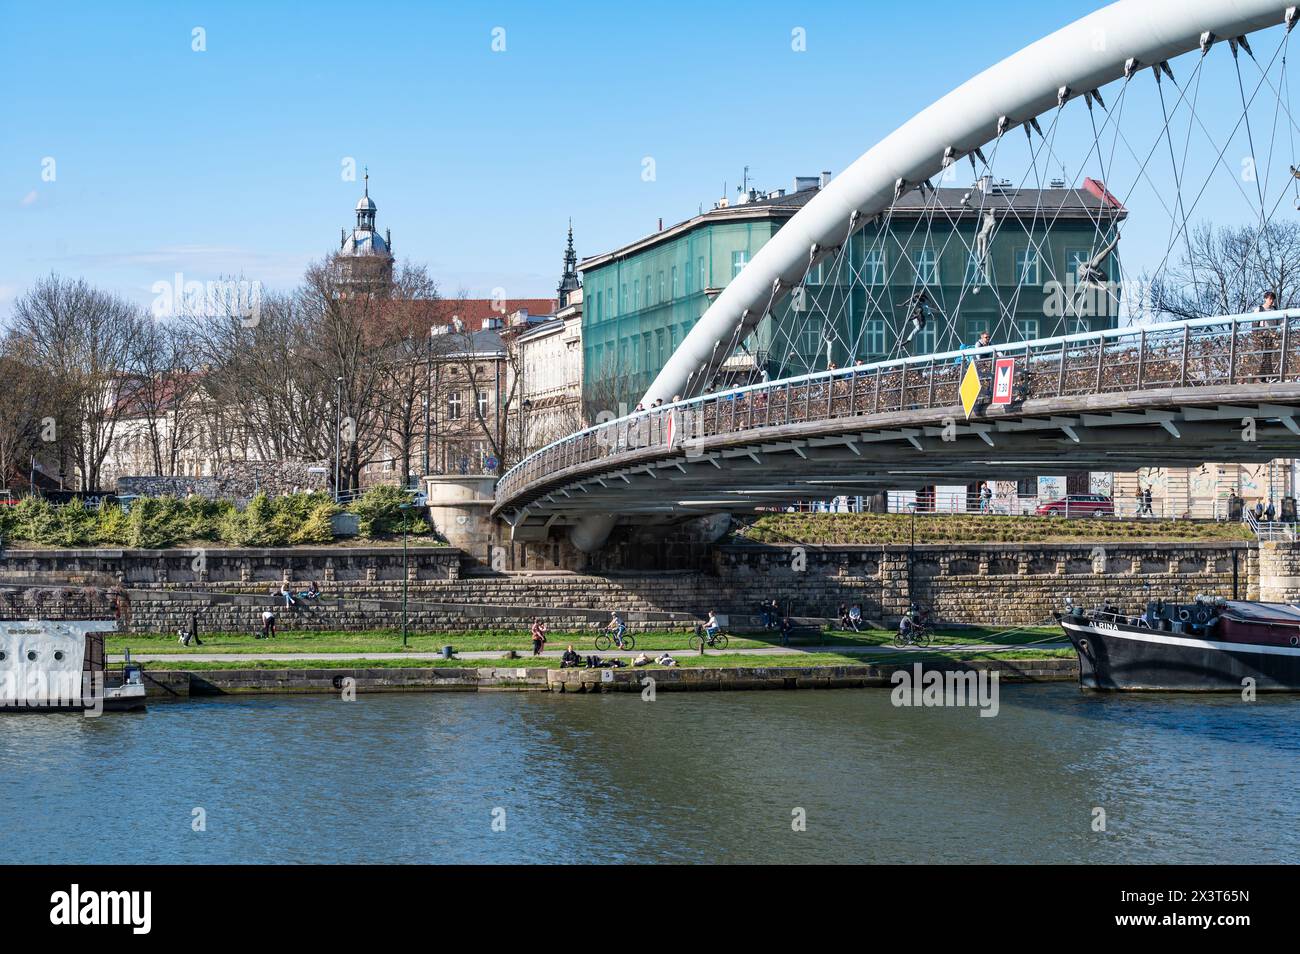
1117 657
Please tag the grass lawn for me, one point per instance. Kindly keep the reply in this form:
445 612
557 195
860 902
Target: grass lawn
828 529
686 660
390 641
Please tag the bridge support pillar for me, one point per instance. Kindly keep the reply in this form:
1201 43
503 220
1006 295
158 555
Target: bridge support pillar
461 507
590 533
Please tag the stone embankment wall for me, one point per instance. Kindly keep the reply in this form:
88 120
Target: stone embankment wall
236 480
1279 572
180 684
228 567
994 584
990 583
169 611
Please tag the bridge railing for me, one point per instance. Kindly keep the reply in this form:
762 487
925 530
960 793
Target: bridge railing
1231 350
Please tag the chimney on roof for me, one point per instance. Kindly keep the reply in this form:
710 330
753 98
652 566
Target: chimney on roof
661 223
1057 184
802 183
826 178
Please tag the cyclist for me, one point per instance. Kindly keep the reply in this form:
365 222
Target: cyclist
617 627
712 627
910 623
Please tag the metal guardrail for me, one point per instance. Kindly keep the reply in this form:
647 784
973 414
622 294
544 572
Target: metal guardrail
1270 529
1239 349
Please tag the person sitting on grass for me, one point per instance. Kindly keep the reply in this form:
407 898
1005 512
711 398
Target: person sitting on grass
844 616
570 659
666 660
641 660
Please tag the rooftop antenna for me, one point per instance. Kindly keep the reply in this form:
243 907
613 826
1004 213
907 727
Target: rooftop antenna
745 180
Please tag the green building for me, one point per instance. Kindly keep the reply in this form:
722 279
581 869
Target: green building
988 258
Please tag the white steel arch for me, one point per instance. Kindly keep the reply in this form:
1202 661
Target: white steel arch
1102 47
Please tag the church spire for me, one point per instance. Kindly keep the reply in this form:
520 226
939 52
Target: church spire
569 281
366 207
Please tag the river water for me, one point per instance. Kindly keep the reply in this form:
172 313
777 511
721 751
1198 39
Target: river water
686 778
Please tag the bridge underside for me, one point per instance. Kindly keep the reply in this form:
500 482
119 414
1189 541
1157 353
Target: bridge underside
775 466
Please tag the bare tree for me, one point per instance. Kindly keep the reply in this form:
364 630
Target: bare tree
481 368
164 366
1226 271
82 339
25 388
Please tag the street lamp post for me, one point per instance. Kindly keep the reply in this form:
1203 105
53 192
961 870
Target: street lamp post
338 433
405 510
911 555
428 396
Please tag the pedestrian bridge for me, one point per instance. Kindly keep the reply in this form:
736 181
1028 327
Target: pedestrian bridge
1222 389
1117 93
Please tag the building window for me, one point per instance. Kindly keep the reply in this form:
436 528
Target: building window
662 295
482 404
674 281
874 339
1075 259
1028 328
814 275
704 279
649 292
453 406
597 309
609 300
976 327
925 339
873 267
927 266
977 272
1027 266
636 293
812 339
738 260
625 300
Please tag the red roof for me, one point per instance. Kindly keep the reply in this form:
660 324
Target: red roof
472 311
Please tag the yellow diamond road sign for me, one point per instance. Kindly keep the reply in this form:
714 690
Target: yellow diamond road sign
970 388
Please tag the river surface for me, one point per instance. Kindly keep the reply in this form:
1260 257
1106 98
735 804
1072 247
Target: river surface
686 778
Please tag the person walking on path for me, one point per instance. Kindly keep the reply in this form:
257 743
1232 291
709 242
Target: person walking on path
193 634
539 636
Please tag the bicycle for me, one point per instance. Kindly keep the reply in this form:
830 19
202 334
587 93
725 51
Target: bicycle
700 640
918 635
605 640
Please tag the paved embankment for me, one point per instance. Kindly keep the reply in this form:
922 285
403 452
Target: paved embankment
184 683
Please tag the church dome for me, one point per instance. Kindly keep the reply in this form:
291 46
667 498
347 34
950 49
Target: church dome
364 242
366 204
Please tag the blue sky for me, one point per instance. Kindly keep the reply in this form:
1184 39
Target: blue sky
228 161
